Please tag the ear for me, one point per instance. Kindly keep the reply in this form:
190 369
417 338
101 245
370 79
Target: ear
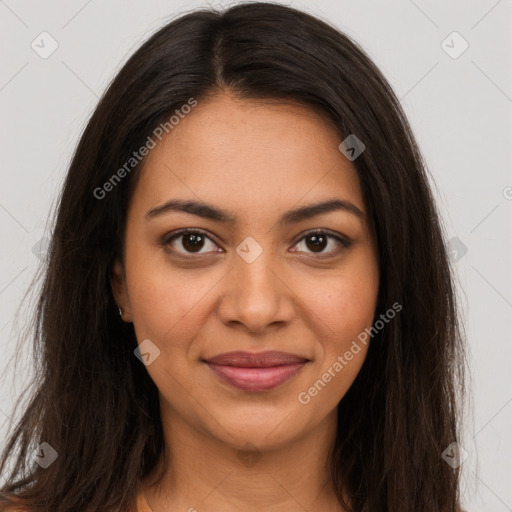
119 289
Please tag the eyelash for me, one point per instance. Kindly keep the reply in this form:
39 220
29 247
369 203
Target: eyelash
344 243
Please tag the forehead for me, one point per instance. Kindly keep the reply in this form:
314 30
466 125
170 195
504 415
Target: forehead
250 154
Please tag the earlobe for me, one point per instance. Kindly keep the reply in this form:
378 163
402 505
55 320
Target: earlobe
119 290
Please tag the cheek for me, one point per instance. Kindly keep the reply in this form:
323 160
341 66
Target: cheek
165 302
342 306
345 303
352 308
341 311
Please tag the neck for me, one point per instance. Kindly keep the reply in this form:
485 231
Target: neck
205 474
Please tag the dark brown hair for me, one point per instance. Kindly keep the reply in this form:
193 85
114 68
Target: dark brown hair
101 414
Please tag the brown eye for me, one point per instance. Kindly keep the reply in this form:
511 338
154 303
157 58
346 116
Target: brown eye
190 242
318 241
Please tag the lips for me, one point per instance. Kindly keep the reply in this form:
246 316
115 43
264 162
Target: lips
256 360
256 371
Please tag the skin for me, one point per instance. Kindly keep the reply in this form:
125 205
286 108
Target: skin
257 160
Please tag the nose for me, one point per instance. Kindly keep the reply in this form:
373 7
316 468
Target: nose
255 296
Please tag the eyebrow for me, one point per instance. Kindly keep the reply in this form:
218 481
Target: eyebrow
294 216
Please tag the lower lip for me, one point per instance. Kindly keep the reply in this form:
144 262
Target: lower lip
256 379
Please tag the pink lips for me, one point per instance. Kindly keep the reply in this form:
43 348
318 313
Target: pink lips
256 371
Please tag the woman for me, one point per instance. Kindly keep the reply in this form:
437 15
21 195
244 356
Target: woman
248 303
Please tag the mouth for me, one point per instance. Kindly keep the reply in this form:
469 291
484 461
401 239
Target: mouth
256 371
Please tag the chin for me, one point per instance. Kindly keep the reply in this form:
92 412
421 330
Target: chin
264 429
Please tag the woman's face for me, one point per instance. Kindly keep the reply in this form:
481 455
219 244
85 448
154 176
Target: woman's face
258 282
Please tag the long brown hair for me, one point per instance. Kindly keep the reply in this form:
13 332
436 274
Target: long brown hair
95 404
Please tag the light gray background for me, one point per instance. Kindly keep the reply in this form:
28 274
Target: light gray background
460 110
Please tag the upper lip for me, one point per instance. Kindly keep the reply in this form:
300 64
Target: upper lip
256 359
